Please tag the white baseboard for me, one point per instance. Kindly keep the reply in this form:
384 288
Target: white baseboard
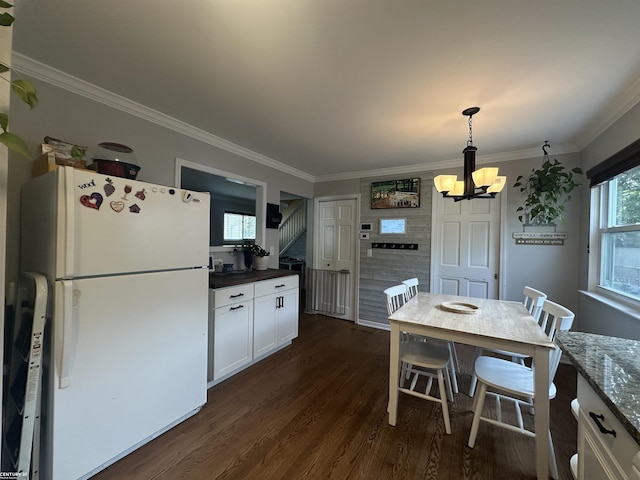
378 325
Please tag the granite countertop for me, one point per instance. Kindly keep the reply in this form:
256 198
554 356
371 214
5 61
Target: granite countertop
220 280
612 367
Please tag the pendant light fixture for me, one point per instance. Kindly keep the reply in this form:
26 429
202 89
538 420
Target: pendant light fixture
482 183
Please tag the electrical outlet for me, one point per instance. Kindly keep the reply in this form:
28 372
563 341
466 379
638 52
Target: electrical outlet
369 252
272 250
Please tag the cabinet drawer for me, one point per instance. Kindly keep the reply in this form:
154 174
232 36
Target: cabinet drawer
276 285
621 448
230 295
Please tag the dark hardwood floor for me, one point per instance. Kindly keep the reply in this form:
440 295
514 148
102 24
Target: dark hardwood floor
317 410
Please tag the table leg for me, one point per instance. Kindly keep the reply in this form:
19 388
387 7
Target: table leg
541 419
394 371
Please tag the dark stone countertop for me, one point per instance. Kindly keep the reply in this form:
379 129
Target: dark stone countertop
220 280
612 367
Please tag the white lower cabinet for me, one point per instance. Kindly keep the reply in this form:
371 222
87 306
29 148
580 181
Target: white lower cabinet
231 329
602 454
249 321
264 325
275 313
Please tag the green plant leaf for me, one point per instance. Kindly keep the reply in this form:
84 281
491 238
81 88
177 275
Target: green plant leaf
26 91
4 4
4 121
4 68
15 144
6 19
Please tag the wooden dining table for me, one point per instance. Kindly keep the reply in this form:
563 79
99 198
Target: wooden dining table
499 324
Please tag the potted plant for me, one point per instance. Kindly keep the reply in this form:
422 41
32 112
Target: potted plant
260 257
23 88
254 253
546 190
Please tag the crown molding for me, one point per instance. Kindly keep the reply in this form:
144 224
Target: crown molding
80 87
611 114
85 89
453 163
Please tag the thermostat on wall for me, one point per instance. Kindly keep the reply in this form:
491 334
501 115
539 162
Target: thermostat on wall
366 227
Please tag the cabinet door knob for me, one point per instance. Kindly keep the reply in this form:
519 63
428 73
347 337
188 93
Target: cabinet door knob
596 419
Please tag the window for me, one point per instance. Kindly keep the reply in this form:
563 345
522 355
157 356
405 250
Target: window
238 227
616 234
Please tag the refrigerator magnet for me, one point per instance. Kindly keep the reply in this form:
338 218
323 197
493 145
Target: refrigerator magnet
134 208
117 206
109 188
92 201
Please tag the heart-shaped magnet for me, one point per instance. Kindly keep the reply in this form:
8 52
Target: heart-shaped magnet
92 201
117 206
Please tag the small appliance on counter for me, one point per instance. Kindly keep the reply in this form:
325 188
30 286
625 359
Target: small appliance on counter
115 159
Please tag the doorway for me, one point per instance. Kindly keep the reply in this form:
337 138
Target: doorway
335 268
293 237
466 246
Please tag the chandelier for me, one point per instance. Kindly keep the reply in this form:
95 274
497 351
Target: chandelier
482 183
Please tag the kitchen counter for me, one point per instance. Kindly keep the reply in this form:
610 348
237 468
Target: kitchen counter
612 367
220 280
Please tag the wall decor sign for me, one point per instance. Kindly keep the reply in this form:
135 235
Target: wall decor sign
396 193
540 238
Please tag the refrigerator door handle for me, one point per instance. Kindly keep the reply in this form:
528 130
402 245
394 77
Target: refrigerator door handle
69 212
66 299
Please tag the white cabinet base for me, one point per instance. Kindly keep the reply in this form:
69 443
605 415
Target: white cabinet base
601 454
249 322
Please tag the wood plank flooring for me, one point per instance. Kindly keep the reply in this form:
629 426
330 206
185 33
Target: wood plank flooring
317 410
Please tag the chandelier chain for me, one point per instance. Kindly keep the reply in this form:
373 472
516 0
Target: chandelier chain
470 141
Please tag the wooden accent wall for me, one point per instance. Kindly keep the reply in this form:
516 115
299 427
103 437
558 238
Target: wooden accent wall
390 267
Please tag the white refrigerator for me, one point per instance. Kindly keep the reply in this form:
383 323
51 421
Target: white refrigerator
126 335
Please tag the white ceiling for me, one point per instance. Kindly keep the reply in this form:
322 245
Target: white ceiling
332 87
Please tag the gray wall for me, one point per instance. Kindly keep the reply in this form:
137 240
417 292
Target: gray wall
594 314
77 119
552 269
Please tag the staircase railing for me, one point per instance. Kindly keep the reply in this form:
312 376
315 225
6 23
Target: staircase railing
292 227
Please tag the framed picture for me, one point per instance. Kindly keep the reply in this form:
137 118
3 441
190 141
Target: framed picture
396 193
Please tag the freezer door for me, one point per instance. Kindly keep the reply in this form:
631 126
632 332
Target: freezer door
129 358
110 225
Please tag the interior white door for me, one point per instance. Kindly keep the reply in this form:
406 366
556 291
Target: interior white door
335 248
466 247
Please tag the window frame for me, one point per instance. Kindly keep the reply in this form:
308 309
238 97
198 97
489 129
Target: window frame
236 241
601 210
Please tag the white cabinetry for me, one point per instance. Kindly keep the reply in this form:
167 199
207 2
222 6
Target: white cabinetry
601 453
248 322
275 313
231 327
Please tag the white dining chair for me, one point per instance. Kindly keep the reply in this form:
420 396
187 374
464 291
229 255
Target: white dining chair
420 358
533 300
412 287
412 291
512 382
